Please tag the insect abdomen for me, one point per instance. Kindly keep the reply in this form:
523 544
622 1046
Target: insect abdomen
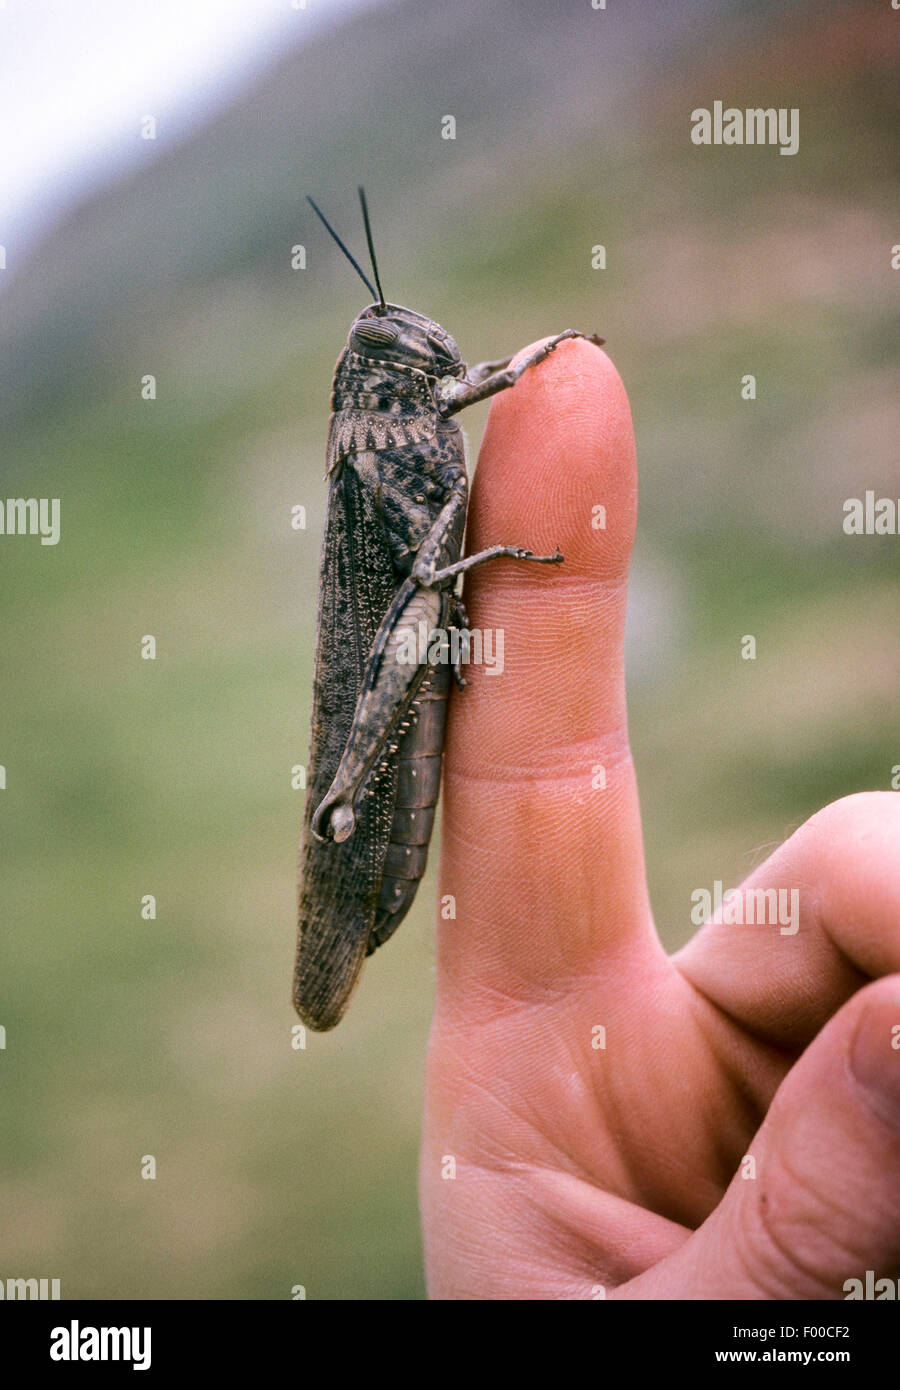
418 785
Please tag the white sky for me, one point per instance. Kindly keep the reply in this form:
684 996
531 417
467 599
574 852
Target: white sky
77 76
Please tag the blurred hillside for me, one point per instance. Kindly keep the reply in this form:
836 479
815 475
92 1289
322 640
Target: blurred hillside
172 777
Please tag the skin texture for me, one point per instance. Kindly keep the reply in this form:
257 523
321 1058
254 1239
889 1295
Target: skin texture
581 1171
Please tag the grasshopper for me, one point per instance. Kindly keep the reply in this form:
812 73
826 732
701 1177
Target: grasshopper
391 558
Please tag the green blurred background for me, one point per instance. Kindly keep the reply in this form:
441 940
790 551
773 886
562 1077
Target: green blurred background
127 777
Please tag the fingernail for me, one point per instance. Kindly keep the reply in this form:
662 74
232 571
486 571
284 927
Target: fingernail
875 1057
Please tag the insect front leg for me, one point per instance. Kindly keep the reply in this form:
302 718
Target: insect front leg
459 394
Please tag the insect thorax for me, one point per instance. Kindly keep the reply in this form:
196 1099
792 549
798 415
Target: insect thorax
378 406
363 383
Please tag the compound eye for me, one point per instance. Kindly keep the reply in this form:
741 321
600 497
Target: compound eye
372 334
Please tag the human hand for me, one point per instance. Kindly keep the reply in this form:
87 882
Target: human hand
582 1168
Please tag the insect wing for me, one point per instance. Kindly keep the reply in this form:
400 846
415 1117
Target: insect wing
339 883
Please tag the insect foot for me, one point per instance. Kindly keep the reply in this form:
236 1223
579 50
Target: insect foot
569 333
555 559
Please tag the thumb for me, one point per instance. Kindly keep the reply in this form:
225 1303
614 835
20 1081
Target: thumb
816 1203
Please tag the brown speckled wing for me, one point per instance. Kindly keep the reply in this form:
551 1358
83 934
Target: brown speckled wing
339 883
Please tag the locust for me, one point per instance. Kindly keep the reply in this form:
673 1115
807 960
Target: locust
391 561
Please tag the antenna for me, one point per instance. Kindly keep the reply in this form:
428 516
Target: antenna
352 259
365 213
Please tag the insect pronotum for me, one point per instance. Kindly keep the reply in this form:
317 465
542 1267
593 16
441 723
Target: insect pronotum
397 498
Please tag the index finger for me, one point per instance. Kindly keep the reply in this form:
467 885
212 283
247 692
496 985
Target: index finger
542 854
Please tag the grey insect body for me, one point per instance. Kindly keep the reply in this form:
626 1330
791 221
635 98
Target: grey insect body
395 520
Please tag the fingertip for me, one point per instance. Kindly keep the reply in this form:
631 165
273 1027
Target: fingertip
557 464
